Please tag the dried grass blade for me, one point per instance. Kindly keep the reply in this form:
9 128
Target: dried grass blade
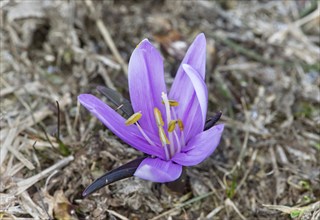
26 183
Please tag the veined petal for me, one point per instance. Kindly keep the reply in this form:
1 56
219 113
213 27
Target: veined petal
116 123
195 57
194 115
157 170
192 119
146 83
199 87
200 147
182 89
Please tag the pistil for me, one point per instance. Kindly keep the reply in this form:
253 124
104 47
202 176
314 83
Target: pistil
168 114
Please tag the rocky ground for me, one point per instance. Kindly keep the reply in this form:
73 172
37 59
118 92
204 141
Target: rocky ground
262 73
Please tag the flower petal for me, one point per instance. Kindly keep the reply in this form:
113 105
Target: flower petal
116 123
199 147
157 170
146 83
195 57
182 89
200 89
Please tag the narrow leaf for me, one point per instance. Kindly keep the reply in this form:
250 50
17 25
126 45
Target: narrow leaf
212 121
122 172
116 99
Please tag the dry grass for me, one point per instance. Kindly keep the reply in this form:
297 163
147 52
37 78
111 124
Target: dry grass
262 73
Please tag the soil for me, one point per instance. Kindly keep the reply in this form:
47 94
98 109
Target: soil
262 73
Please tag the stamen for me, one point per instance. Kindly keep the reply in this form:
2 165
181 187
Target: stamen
166 152
145 135
167 106
172 103
133 118
163 136
178 141
172 125
181 127
180 123
157 115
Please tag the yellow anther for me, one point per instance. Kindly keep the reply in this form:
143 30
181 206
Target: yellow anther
133 118
157 115
172 103
172 125
163 136
180 124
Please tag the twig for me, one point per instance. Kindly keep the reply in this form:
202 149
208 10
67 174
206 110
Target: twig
214 212
26 183
43 206
76 118
299 211
315 14
245 176
117 214
257 57
4 148
228 202
249 53
280 181
32 208
107 37
58 126
183 204
14 150
244 146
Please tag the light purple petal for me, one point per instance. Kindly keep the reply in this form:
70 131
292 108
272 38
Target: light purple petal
182 89
195 56
200 147
146 83
200 89
157 170
116 123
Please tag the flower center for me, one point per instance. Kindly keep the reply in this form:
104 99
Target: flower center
174 145
171 140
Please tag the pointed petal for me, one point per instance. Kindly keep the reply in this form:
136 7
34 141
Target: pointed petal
199 87
200 147
146 83
188 109
116 123
157 170
195 56
194 115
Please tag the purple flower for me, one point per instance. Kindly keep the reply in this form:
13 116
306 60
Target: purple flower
167 126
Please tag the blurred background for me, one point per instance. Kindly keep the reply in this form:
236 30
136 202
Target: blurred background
262 73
